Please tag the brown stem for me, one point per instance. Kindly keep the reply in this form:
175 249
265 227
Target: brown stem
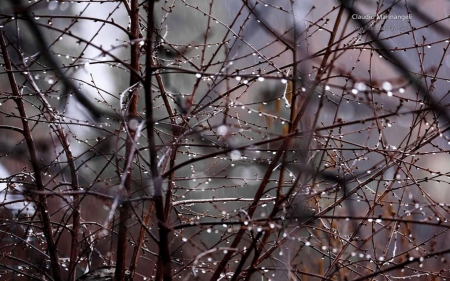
168 206
164 264
42 203
129 151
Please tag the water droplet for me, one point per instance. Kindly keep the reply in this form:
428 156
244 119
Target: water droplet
198 75
260 79
87 66
360 86
238 78
386 86
284 81
52 5
235 155
354 91
64 6
133 124
222 130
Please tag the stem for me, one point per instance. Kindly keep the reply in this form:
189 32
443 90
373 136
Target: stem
164 264
129 151
42 203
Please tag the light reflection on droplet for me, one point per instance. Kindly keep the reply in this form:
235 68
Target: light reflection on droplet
52 5
222 130
235 155
386 86
360 86
87 66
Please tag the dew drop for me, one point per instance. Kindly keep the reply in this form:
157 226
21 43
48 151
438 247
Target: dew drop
386 86
360 86
87 66
52 5
133 124
235 155
222 130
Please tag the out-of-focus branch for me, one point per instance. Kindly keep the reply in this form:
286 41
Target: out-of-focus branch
397 63
76 208
95 111
42 204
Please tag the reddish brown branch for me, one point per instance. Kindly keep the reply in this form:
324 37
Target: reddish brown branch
42 204
122 245
164 263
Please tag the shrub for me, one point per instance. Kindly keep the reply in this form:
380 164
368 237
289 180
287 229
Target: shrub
224 140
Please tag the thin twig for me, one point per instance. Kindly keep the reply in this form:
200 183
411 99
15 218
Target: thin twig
42 204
